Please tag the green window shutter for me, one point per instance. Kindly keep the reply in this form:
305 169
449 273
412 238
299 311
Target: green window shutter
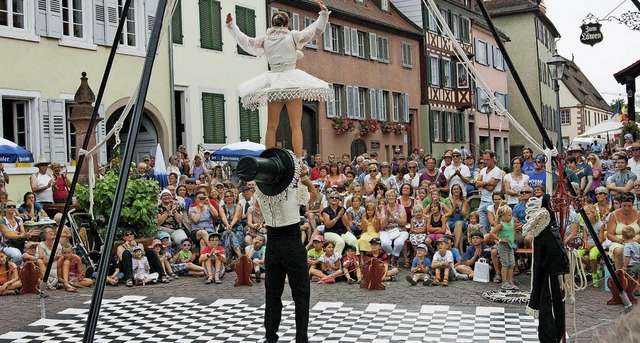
454 77
463 131
445 126
210 25
442 66
246 21
429 71
213 119
249 125
176 24
431 126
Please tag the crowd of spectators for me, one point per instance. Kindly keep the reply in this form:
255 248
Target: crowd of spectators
433 216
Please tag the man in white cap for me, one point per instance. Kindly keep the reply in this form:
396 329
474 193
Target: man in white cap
458 173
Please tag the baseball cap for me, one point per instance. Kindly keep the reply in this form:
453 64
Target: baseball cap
163 235
319 239
375 240
349 247
402 157
397 151
136 248
422 246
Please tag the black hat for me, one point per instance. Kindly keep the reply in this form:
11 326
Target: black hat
273 170
215 234
375 240
244 188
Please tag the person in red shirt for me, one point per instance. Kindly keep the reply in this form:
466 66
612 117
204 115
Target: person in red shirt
214 259
378 253
315 171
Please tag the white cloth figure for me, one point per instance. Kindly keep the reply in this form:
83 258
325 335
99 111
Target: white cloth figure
283 82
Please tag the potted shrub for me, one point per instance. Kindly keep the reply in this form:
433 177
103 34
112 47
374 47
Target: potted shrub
342 125
139 207
368 126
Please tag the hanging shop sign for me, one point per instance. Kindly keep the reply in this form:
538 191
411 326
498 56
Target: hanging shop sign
591 34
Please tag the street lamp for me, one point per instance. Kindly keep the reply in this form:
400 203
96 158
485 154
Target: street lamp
556 66
486 108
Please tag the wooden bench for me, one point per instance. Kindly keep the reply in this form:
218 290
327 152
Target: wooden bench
528 251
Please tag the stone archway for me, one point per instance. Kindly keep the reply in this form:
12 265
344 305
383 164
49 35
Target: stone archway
146 142
358 147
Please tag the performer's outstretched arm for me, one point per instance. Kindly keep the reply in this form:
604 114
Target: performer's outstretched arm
310 32
254 46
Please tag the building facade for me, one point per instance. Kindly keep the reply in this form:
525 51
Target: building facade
369 54
207 69
532 43
47 45
491 130
582 106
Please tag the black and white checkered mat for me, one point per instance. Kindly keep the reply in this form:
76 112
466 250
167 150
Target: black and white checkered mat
144 319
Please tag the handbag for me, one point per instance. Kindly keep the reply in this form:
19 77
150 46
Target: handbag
393 233
481 271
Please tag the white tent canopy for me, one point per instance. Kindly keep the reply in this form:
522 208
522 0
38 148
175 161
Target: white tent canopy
602 129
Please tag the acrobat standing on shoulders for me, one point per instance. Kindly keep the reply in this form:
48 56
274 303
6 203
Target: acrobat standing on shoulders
283 85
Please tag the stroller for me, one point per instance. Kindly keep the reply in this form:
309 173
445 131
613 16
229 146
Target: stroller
85 240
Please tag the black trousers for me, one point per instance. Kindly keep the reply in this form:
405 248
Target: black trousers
286 256
126 265
551 323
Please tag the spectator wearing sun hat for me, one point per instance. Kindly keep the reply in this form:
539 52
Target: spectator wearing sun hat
42 182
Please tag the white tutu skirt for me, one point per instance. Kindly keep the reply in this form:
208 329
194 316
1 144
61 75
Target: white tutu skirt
283 86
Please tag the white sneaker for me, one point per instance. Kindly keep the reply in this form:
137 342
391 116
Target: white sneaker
462 277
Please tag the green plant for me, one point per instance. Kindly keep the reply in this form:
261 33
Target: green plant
368 126
342 125
630 127
139 207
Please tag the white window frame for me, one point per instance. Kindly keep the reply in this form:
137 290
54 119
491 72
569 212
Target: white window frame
28 32
395 113
565 117
70 22
407 57
498 59
361 44
27 121
449 128
384 5
481 53
455 26
384 109
86 42
435 73
362 101
383 49
314 42
447 82
11 12
338 91
436 127
433 23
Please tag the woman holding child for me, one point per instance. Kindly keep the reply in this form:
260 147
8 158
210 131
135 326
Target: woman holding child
625 216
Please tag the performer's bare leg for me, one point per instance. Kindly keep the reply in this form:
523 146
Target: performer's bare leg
274 109
294 109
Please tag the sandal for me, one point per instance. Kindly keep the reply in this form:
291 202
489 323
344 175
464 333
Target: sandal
173 275
70 288
164 279
217 282
209 281
436 282
407 265
50 287
497 279
445 282
129 283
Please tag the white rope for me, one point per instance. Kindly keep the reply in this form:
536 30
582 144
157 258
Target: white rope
461 54
117 126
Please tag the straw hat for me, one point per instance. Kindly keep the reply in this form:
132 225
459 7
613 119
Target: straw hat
42 161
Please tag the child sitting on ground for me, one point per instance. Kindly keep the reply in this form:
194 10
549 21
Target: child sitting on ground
631 254
255 253
114 275
354 213
141 268
377 252
33 268
330 262
164 258
461 270
503 234
70 272
475 251
442 263
351 265
314 254
9 279
420 267
182 262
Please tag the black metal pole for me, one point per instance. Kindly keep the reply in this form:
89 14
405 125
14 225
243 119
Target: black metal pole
94 310
631 101
637 3
85 143
549 143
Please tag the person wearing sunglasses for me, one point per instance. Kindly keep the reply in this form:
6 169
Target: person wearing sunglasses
336 222
371 179
202 216
538 177
12 232
413 177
